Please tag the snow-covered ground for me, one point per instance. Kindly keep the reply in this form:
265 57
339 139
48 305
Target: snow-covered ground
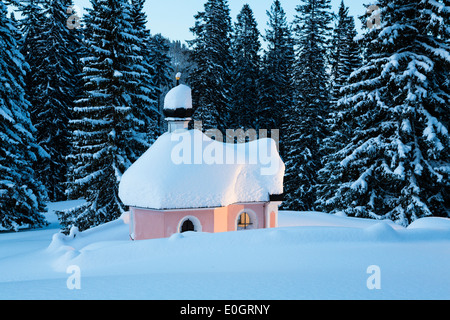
310 256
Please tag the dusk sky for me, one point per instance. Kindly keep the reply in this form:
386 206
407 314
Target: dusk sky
173 18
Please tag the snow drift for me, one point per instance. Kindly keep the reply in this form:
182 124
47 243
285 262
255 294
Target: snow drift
311 256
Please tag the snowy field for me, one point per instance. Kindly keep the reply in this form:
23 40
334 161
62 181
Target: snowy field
310 256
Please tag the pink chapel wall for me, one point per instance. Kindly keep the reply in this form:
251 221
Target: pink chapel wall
152 224
256 209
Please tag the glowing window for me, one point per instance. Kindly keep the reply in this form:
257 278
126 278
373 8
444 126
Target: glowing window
244 221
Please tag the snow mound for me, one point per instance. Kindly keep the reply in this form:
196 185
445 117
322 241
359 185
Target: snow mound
179 97
431 223
187 169
117 230
382 231
321 219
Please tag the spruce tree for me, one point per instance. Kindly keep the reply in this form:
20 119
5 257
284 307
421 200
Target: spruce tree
178 55
17 34
52 86
21 195
211 55
276 86
145 94
395 166
108 134
245 70
162 71
345 53
345 57
306 119
31 28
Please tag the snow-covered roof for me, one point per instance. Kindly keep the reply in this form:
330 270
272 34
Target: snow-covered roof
179 97
187 169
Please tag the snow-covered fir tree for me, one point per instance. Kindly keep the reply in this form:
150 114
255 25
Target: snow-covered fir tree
145 94
211 55
17 34
179 59
245 70
52 86
162 71
396 163
306 119
30 25
276 87
345 53
345 57
21 194
108 133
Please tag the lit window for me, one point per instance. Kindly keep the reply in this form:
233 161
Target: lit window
244 221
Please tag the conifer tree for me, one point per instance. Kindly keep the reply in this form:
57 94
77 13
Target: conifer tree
345 57
245 70
108 131
211 56
306 119
162 70
276 86
395 166
345 53
52 86
178 55
146 93
17 34
31 29
21 194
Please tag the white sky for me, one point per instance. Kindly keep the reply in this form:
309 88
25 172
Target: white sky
173 18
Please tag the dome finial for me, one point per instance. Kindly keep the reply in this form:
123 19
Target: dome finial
178 77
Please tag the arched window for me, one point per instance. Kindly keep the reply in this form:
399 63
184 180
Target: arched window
189 223
187 226
244 221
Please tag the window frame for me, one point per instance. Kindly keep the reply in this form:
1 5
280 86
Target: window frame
253 220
